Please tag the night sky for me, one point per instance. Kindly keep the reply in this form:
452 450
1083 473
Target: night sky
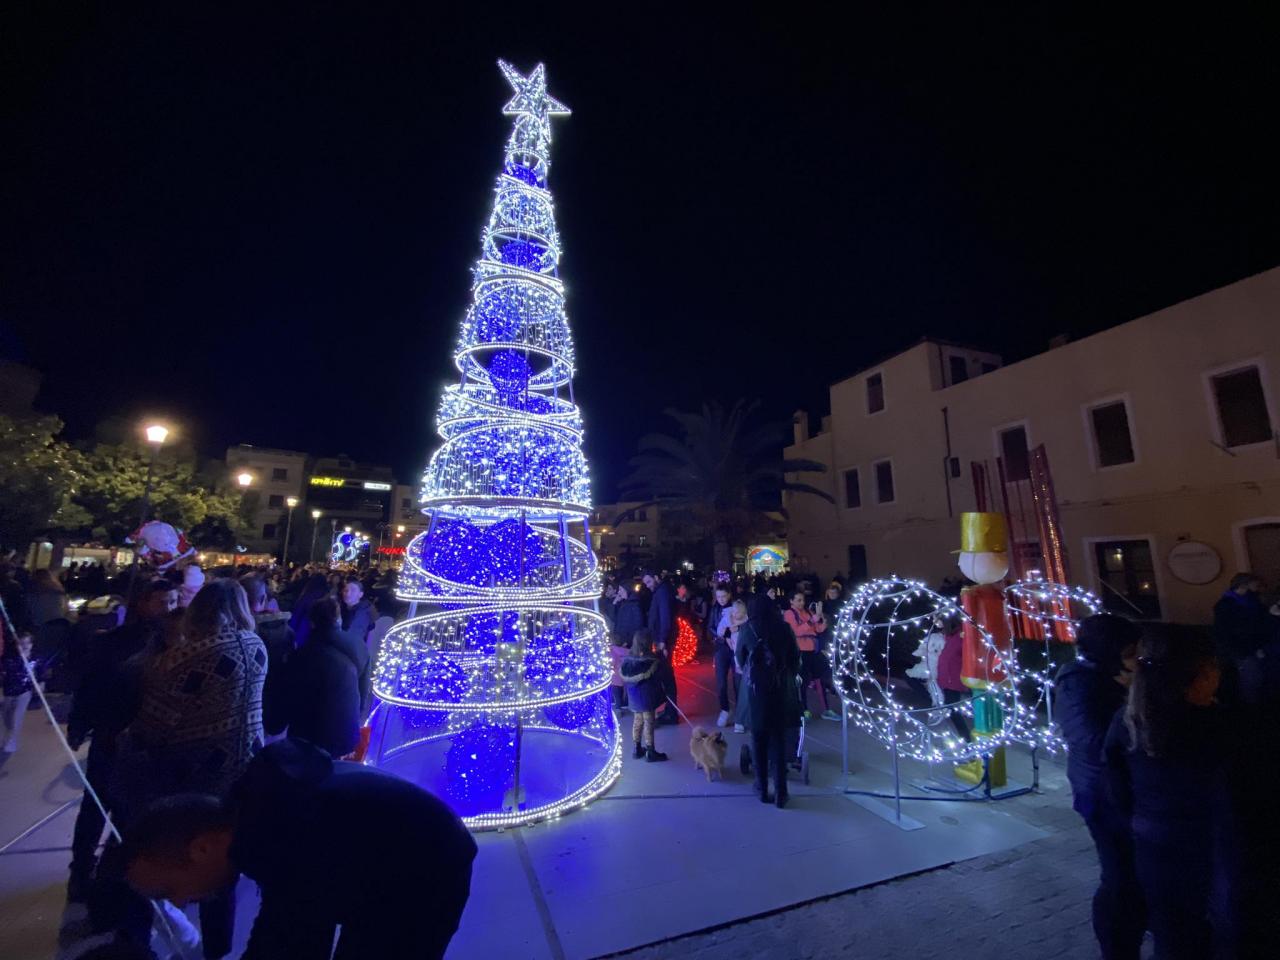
263 225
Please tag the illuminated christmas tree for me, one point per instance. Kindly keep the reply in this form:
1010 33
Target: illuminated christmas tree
494 692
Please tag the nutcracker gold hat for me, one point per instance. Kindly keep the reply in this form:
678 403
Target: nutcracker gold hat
983 533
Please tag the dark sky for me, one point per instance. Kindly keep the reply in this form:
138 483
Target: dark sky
263 224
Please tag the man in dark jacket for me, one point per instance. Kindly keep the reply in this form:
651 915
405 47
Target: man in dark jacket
320 693
662 624
1241 624
273 627
357 612
104 703
1089 692
299 824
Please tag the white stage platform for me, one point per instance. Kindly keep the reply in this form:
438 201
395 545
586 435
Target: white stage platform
664 853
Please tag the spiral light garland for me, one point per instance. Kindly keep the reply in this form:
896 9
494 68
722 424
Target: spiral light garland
510 658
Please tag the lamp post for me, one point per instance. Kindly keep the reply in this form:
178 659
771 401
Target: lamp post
245 480
290 502
156 434
315 528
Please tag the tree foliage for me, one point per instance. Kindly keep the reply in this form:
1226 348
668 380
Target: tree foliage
37 473
49 487
721 470
112 483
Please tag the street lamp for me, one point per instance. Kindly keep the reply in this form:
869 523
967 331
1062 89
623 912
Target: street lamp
156 434
290 502
315 528
244 479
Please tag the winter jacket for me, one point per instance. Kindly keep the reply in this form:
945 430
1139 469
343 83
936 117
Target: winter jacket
358 620
949 663
107 699
747 639
644 688
1085 703
1174 798
1242 625
783 707
302 827
630 618
662 617
806 628
320 695
276 633
713 626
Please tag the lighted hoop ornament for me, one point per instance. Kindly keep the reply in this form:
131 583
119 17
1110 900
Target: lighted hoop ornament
495 696
1039 609
883 623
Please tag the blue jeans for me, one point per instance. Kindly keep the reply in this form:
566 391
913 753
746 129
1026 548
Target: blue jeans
724 670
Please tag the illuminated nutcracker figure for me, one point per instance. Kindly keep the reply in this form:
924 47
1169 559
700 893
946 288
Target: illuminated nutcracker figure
494 692
984 559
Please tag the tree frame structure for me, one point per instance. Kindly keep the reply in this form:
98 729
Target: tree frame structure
494 692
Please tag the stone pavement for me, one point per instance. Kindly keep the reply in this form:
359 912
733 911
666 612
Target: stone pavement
1031 902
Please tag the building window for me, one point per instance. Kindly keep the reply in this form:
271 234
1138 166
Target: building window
1112 441
279 473
1013 450
884 482
875 393
852 489
1242 407
857 563
1128 577
406 504
642 540
642 516
268 531
275 500
959 369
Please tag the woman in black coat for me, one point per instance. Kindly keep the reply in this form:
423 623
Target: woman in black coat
772 677
322 689
1168 771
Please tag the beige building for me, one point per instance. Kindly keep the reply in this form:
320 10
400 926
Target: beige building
274 476
1161 438
624 535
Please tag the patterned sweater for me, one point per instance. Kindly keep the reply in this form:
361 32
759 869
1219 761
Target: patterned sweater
200 720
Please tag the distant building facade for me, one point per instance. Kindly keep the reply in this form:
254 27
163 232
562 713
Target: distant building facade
1161 438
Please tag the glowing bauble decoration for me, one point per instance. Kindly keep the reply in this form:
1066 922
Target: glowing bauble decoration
510 662
880 628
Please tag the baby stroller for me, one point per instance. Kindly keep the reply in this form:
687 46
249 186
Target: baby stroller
799 762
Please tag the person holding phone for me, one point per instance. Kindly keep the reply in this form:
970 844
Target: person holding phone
807 623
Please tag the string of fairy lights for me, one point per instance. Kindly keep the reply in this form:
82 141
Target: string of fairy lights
511 646
884 623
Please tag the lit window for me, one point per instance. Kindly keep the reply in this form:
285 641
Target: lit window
1242 407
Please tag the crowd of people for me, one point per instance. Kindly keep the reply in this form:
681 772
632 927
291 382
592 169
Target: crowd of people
767 637
212 703
222 710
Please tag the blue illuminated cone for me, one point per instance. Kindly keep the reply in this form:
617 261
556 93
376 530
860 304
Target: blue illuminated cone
494 693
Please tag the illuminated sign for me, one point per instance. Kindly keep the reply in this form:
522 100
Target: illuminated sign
370 485
327 481
391 551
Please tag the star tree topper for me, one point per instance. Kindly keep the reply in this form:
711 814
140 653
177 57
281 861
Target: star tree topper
531 96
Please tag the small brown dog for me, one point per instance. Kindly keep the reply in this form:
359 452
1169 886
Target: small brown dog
708 752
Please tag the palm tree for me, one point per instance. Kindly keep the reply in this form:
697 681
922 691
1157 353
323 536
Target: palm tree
724 472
